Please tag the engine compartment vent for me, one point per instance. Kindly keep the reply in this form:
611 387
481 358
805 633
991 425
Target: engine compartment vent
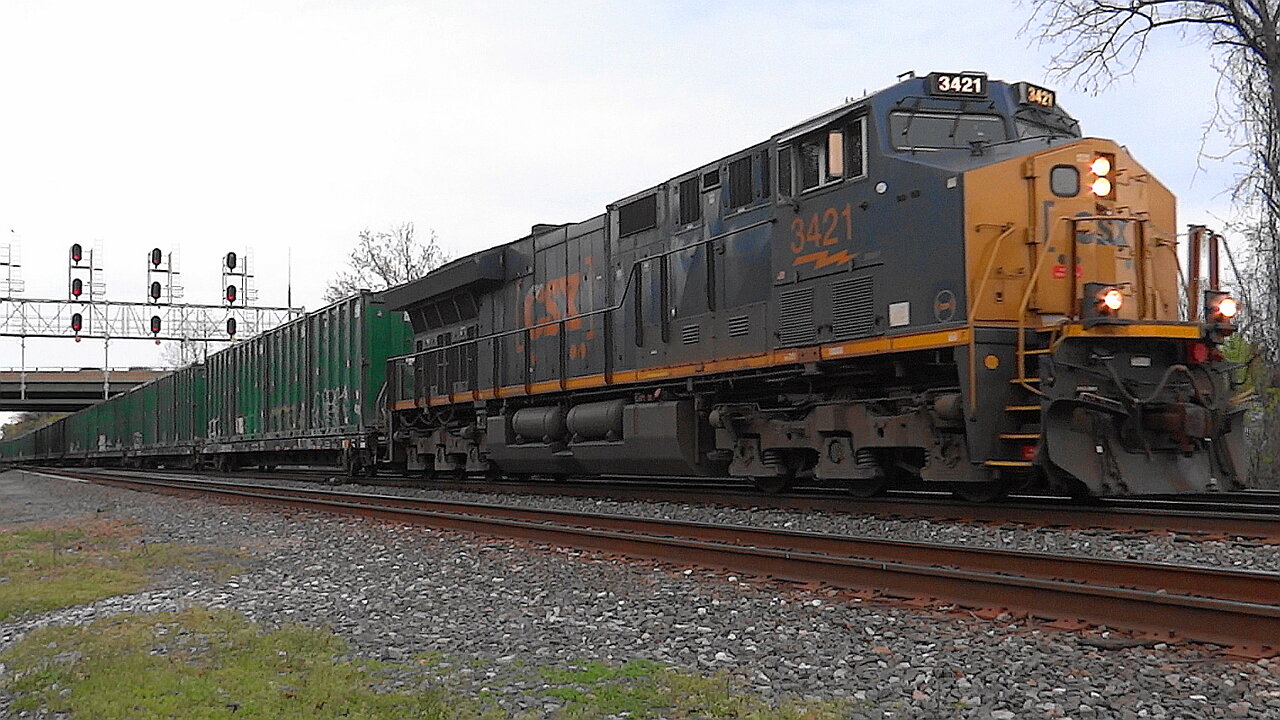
691 334
795 317
853 308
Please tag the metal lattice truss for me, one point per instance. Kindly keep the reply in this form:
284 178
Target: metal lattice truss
22 317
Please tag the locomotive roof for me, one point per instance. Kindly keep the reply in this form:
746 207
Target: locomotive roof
911 92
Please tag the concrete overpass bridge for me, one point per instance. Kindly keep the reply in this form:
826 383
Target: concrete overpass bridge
67 389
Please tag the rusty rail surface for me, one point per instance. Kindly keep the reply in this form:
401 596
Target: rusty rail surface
1231 515
1221 606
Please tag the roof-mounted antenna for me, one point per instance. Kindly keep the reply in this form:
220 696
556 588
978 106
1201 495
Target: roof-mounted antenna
906 75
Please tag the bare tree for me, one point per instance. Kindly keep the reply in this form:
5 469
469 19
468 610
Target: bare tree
386 258
1098 41
181 353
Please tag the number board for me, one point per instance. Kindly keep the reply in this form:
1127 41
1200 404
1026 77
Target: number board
960 84
1029 94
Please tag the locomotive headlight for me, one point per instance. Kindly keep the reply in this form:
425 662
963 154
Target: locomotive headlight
1220 307
1101 303
1112 299
1103 170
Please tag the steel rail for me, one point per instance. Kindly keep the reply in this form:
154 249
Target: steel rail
1193 517
1204 604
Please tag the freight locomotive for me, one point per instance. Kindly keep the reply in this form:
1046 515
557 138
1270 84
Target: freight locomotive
941 284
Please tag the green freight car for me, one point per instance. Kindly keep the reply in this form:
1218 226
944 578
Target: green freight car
307 392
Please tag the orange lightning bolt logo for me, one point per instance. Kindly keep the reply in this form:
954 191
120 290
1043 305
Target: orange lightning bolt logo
824 258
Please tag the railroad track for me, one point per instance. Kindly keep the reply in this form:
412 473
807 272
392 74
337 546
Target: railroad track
1252 515
1229 607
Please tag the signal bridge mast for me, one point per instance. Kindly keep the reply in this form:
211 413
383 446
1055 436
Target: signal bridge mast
87 313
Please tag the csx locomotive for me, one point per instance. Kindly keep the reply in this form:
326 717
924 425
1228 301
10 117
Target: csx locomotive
942 282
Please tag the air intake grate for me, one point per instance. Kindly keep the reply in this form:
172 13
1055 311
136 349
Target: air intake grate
690 334
795 317
853 308
739 326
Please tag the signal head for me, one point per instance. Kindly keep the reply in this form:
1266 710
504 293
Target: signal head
77 323
231 295
231 327
230 261
77 253
77 287
155 324
157 257
155 291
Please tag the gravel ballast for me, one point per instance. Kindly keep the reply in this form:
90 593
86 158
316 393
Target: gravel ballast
494 607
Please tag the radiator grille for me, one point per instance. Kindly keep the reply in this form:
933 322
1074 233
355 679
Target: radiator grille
739 326
853 308
795 317
690 334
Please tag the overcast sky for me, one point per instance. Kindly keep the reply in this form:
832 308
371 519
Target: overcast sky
207 127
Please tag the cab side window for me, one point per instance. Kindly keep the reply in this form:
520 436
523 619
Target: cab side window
823 158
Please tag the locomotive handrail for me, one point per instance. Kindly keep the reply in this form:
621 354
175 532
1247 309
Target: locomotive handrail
974 299
560 322
635 264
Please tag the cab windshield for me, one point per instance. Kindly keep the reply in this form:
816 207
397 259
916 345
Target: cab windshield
929 131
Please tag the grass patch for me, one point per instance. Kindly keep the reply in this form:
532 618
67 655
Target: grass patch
215 664
45 568
645 689
202 664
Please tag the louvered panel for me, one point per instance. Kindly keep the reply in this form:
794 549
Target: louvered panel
739 326
853 308
795 317
691 334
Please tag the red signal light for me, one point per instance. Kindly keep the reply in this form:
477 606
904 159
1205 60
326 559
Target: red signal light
77 253
77 322
155 324
155 291
157 257
77 287
231 294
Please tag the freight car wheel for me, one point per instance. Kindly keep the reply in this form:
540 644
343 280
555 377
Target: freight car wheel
773 484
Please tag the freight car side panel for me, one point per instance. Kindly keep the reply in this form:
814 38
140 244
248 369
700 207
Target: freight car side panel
314 378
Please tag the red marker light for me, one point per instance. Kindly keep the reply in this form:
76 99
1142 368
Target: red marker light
1197 353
